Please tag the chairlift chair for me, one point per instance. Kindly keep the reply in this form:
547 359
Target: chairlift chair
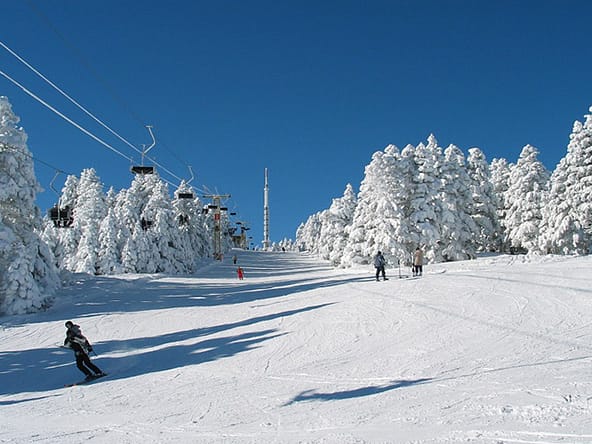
61 217
141 169
145 224
183 219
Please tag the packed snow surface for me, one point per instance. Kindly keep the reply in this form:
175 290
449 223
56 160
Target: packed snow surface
494 350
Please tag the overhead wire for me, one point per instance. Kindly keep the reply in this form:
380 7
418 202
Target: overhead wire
88 66
87 112
20 151
62 92
83 60
81 107
63 116
67 119
56 169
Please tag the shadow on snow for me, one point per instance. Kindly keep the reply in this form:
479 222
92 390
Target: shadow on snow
96 295
312 395
46 369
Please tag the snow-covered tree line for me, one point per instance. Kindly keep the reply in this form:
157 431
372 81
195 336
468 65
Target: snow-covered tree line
135 230
454 206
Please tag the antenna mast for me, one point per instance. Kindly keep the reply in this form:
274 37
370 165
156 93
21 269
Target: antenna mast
266 213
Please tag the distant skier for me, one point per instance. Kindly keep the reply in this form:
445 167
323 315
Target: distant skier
418 262
77 342
234 259
240 273
379 264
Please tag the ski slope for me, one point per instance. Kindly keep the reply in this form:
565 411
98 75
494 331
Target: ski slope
496 350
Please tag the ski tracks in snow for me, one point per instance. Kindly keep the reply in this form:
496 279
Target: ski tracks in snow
490 351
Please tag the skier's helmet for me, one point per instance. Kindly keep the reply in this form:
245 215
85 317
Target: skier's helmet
69 324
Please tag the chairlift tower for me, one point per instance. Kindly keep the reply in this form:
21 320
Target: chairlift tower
216 201
266 213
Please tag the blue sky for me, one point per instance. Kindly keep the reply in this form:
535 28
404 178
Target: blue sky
308 89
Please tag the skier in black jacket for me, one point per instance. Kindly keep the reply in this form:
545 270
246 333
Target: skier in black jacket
77 342
379 264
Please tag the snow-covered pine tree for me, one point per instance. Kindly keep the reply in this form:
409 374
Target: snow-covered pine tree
528 182
300 243
169 252
132 258
402 170
125 222
484 212
89 210
500 170
28 276
308 233
567 217
355 251
110 248
403 198
457 227
324 244
139 254
335 228
426 210
376 224
109 260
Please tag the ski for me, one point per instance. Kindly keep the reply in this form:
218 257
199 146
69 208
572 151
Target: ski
85 381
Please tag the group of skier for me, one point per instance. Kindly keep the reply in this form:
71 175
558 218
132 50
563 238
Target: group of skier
380 264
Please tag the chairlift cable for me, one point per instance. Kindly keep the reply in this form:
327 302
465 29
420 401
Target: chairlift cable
165 145
87 112
88 66
163 168
67 119
82 60
36 159
62 92
91 115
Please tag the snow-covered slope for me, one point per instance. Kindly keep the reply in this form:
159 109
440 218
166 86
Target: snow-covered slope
497 350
